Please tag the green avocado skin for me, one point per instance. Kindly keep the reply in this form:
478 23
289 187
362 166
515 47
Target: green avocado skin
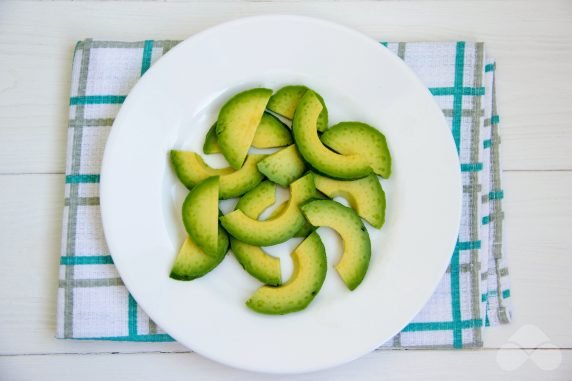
310 267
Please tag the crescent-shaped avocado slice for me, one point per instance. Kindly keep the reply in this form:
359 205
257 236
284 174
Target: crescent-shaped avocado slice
285 101
237 122
353 265
278 229
191 169
211 142
192 262
254 259
200 215
310 266
257 262
315 152
270 133
257 200
307 228
350 138
365 196
283 166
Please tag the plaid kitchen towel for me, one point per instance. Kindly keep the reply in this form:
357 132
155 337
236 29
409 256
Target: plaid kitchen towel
93 303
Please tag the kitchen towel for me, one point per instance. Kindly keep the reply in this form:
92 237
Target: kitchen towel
94 304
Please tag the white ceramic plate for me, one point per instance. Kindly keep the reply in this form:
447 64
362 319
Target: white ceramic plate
173 105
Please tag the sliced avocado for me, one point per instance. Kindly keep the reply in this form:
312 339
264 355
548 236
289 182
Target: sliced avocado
350 138
211 142
271 133
357 246
254 259
366 196
278 229
283 166
200 215
258 199
191 169
314 152
307 228
192 262
285 101
257 262
237 123
310 266
304 231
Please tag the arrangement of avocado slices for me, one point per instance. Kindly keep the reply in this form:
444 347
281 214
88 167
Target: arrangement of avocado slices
315 162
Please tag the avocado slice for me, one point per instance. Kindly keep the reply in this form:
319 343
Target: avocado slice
285 101
357 246
304 231
255 201
254 259
283 166
350 138
365 196
191 169
237 123
307 228
313 150
271 133
310 264
200 215
257 262
211 142
192 262
278 229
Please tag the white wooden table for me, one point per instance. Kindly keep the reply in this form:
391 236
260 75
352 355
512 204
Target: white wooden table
532 42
